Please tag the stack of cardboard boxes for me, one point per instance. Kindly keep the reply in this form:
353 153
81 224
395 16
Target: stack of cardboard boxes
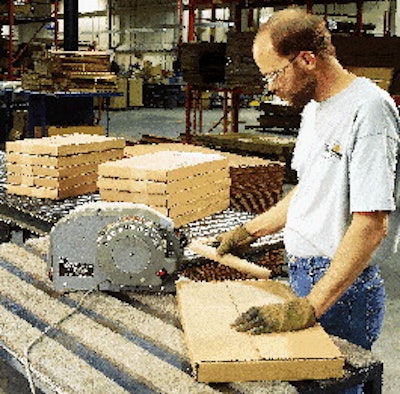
60 166
184 186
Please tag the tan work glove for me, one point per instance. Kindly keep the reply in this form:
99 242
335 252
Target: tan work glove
288 316
236 238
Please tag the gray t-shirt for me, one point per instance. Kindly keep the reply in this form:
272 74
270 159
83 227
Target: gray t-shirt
346 159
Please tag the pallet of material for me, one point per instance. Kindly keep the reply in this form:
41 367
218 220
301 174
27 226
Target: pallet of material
268 146
219 353
74 71
60 166
184 186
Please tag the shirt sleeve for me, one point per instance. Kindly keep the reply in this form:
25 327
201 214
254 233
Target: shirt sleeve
373 157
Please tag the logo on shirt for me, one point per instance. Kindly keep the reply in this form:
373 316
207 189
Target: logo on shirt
333 150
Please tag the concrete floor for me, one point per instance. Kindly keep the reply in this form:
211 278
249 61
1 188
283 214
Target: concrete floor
171 123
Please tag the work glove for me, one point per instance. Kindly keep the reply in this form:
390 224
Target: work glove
236 238
289 316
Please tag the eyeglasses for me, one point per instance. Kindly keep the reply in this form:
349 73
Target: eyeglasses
271 77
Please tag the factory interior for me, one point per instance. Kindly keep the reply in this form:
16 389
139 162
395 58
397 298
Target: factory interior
131 130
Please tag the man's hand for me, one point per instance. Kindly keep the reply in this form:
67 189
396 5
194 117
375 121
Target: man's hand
289 316
236 238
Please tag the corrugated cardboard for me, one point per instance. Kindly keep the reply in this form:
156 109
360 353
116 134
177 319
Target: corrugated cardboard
219 353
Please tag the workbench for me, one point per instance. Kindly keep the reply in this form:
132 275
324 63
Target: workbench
130 342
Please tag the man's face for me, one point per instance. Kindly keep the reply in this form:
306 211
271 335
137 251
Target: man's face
289 79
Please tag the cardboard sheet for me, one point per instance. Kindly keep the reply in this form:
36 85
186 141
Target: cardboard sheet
219 353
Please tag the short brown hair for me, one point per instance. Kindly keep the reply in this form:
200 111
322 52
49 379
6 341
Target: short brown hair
293 30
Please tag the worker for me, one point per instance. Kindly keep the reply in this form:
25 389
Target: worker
340 220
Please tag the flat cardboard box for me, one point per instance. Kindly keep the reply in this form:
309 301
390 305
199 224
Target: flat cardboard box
51 193
53 172
192 196
64 161
164 166
219 353
184 186
64 145
170 208
234 159
59 130
154 187
56 182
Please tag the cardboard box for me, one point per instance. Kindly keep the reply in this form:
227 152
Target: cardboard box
219 353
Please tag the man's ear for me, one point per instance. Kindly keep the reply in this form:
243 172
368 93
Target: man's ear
308 58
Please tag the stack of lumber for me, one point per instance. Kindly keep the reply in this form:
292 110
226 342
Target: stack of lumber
256 184
36 81
203 64
269 146
60 166
184 186
241 70
73 71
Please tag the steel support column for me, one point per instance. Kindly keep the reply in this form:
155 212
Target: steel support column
71 25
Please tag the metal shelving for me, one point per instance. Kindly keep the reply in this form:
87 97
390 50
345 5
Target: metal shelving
18 12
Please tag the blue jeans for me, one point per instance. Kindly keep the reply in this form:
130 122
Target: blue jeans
358 315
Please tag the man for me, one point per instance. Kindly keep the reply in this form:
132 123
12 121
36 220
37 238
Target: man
344 205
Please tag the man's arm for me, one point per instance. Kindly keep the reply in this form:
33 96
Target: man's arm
272 220
267 223
363 236
365 233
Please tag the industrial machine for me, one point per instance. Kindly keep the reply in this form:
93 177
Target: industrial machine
114 247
